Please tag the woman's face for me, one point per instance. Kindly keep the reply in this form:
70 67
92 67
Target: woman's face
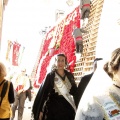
60 62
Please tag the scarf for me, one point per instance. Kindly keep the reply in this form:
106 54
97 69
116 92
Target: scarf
63 88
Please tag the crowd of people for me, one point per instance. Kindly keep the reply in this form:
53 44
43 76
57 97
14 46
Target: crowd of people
96 97
13 93
59 98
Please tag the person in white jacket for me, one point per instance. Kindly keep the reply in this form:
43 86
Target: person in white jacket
21 84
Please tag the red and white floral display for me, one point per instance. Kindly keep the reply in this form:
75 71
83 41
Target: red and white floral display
64 43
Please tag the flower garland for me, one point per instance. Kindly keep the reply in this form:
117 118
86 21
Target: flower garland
64 42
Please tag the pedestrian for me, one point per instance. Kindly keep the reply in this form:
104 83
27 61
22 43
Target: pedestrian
6 94
78 40
21 84
85 6
28 92
55 99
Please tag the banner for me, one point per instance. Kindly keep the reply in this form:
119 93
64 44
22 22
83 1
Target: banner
9 48
16 47
21 53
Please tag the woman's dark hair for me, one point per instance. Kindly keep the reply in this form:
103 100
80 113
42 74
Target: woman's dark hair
54 66
114 63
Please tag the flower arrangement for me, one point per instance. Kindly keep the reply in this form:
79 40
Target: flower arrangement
57 46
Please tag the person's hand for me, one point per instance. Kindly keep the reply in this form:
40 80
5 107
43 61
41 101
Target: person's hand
19 91
40 115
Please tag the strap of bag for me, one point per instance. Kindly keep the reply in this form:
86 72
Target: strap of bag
3 92
2 82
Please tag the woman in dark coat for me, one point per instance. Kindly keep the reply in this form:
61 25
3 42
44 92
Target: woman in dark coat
56 97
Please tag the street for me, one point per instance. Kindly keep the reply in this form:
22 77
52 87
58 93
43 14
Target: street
27 111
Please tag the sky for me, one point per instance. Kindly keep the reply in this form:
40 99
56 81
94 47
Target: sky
24 19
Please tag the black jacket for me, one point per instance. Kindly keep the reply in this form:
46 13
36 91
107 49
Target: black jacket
81 87
45 89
